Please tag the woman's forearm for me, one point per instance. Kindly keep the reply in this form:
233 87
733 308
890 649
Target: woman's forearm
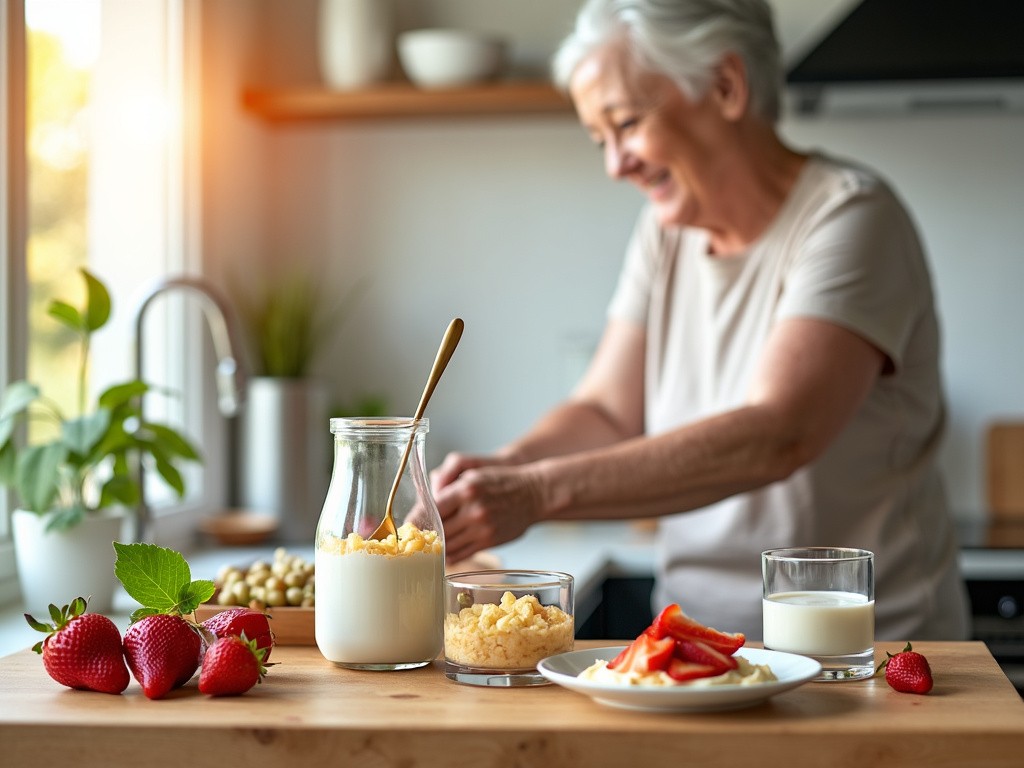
681 470
573 427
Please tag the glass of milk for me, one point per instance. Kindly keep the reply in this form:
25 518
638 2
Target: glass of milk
820 602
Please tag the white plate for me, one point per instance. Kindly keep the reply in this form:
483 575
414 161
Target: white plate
790 669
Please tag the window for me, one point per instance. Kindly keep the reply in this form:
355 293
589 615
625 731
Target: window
12 234
104 185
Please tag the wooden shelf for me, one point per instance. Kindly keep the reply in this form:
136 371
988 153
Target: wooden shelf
401 100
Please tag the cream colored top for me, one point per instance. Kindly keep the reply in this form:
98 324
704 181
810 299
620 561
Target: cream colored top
842 249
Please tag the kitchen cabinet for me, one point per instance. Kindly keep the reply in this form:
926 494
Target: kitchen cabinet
310 712
400 100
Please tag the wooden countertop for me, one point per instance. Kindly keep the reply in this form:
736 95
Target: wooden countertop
308 712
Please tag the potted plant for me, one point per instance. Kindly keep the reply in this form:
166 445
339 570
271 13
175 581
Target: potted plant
284 465
73 490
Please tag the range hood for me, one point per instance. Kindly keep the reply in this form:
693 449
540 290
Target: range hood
915 55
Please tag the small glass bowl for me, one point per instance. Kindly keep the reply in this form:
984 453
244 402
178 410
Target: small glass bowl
499 623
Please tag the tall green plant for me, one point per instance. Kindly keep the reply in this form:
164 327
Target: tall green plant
89 465
289 323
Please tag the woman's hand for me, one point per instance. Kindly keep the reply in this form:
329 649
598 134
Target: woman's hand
455 464
485 504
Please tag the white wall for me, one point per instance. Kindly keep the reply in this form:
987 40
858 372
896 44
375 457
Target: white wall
510 223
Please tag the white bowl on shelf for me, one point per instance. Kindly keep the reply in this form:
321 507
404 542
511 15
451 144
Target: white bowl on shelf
449 58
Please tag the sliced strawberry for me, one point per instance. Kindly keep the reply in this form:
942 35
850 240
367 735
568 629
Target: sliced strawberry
645 654
701 653
672 622
679 669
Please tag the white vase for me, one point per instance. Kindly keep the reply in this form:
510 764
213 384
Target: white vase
356 42
58 566
285 453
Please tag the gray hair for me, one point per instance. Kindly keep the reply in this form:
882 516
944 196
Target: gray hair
684 40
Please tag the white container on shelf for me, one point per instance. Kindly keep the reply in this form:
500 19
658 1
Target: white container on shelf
449 58
356 42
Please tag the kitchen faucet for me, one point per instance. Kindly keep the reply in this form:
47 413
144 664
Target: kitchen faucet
229 372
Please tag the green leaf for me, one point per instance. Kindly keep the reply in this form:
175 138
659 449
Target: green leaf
37 625
140 613
8 457
119 490
97 306
197 592
154 576
172 442
16 400
17 397
80 435
37 473
170 474
65 517
122 393
114 443
77 607
66 315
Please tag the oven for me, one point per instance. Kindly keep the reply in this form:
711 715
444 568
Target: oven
992 563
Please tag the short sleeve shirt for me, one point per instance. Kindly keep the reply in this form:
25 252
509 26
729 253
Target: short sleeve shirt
841 249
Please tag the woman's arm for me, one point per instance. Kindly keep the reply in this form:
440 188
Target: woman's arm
812 377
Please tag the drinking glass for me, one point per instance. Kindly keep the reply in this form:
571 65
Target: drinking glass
820 602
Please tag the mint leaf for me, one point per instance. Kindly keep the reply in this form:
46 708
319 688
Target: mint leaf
154 576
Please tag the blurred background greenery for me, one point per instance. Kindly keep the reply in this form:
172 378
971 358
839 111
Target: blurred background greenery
58 96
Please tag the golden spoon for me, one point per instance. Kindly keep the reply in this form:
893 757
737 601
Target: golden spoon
444 354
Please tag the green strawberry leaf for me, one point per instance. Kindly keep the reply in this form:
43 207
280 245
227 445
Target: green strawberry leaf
38 625
159 579
141 613
197 592
152 575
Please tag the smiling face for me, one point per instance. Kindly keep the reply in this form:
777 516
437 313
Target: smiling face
651 134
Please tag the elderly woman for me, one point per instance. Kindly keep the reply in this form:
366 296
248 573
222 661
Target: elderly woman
769 372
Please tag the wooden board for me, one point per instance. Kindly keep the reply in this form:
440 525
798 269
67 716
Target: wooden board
308 711
1004 469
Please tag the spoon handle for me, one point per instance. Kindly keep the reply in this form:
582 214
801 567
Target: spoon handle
444 354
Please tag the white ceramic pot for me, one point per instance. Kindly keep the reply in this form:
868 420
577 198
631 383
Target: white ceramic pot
356 42
58 566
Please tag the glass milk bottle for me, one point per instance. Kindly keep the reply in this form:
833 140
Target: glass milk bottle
379 603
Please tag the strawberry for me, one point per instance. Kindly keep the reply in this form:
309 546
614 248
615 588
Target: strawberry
700 652
82 650
907 671
163 653
672 622
231 666
645 654
235 621
680 669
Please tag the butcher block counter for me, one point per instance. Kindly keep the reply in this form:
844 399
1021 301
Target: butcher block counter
308 712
